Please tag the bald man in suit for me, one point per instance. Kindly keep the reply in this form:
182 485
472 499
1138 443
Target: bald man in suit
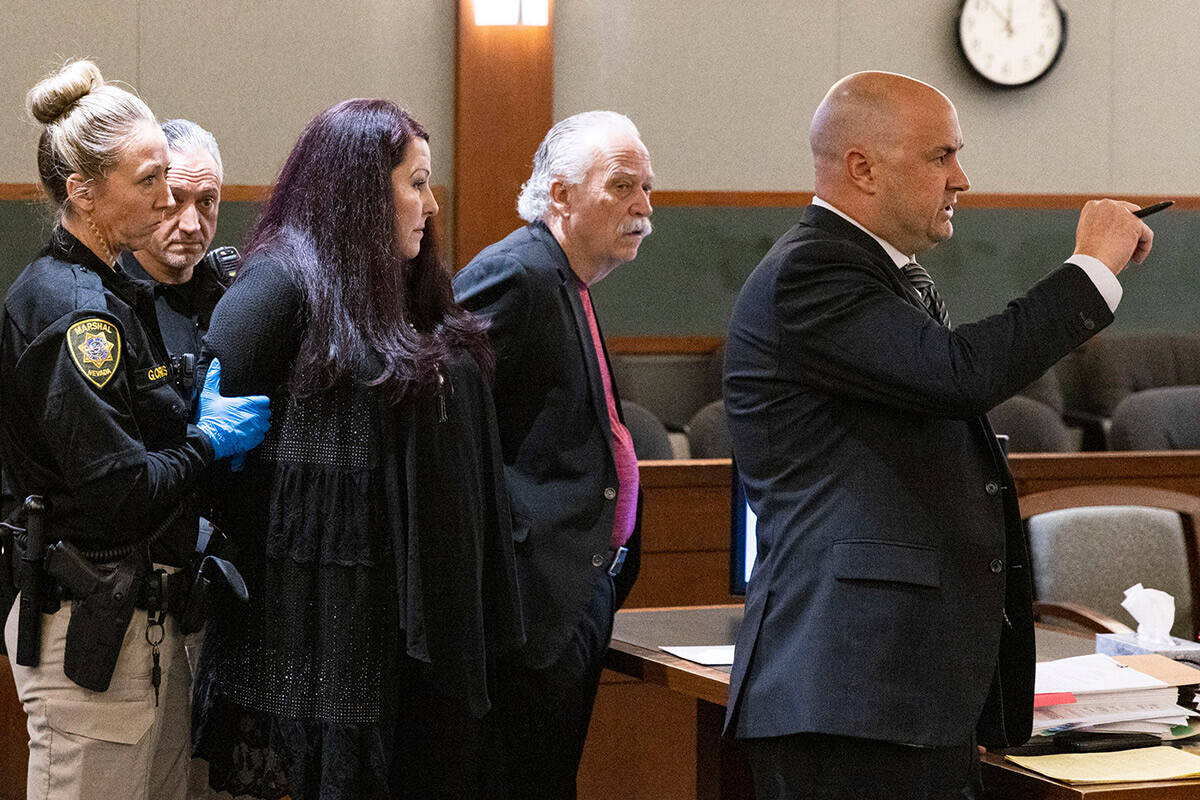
888 623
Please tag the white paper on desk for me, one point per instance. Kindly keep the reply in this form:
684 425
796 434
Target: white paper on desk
1074 715
1090 673
711 655
1164 728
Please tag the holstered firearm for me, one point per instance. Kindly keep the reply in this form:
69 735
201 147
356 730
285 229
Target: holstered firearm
9 528
102 606
29 620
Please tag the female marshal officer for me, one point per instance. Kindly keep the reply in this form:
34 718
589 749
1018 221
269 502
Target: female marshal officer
91 421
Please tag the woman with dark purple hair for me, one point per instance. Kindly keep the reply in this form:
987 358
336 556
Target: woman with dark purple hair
371 526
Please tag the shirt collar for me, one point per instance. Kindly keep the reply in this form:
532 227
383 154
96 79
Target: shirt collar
185 297
899 258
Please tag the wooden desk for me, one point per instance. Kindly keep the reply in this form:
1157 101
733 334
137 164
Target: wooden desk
685 562
1006 781
721 772
685 512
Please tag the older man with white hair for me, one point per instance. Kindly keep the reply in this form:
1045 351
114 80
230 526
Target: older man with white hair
570 467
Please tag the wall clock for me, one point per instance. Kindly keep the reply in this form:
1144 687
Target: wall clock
1012 43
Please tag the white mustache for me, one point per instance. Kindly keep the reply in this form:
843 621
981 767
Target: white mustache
638 226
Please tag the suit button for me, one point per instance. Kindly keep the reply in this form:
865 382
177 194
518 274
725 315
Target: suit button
1088 322
991 487
609 494
996 566
597 560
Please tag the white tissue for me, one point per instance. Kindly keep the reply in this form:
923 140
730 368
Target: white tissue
1154 611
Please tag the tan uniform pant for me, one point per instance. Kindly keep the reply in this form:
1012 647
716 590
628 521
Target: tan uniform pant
110 745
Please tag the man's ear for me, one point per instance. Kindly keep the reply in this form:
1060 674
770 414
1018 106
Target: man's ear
860 170
560 196
81 192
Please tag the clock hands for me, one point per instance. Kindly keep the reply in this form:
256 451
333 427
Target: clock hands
1005 18
1011 42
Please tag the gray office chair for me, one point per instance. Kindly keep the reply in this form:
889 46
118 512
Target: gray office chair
1031 426
1106 369
669 385
1088 544
708 433
650 437
1157 419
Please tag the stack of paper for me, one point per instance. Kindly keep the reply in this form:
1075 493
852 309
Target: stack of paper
1134 694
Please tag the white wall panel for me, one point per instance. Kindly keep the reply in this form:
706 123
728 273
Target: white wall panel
256 73
37 39
721 92
1155 78
253 73
687 71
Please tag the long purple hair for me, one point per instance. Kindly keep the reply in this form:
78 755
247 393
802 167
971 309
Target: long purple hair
331 221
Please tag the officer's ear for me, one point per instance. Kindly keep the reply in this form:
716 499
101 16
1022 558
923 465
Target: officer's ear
81 192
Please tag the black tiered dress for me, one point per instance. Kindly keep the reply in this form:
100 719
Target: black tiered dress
375 540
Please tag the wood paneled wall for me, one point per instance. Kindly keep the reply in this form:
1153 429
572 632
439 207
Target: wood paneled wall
503 106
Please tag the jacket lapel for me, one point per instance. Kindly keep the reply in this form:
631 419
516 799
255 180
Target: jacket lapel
569 288
825 220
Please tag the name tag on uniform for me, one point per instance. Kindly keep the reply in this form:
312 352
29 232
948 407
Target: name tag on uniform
153 375
95 347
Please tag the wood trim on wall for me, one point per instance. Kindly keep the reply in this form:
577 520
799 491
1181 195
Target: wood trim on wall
738 199
662 345
232 192
503 106
251 193
15 192
245 193
719 199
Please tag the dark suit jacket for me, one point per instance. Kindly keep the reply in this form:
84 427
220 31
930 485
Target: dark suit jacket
554 430
892 587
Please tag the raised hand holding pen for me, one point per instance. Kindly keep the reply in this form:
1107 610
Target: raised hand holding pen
1153 208
1108 231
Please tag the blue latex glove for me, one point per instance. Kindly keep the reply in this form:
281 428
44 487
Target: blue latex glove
234 425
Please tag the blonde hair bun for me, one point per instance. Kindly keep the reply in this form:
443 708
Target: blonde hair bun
54 96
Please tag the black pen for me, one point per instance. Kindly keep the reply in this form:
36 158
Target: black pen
1142 213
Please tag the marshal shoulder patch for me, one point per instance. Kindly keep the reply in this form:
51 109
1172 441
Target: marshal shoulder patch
95 347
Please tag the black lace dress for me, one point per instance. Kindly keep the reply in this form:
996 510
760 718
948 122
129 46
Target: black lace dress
375 540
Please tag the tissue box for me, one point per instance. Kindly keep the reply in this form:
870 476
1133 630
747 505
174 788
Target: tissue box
1127 644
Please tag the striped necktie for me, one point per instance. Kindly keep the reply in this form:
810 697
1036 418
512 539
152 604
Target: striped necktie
921 281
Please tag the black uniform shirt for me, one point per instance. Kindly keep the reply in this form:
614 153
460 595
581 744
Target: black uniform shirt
89 415
184 309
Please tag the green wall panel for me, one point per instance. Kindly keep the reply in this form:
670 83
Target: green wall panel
689 271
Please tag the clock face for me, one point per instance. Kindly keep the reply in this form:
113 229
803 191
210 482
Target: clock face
1012 42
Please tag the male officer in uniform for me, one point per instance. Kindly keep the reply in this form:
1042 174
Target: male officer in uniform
186 284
